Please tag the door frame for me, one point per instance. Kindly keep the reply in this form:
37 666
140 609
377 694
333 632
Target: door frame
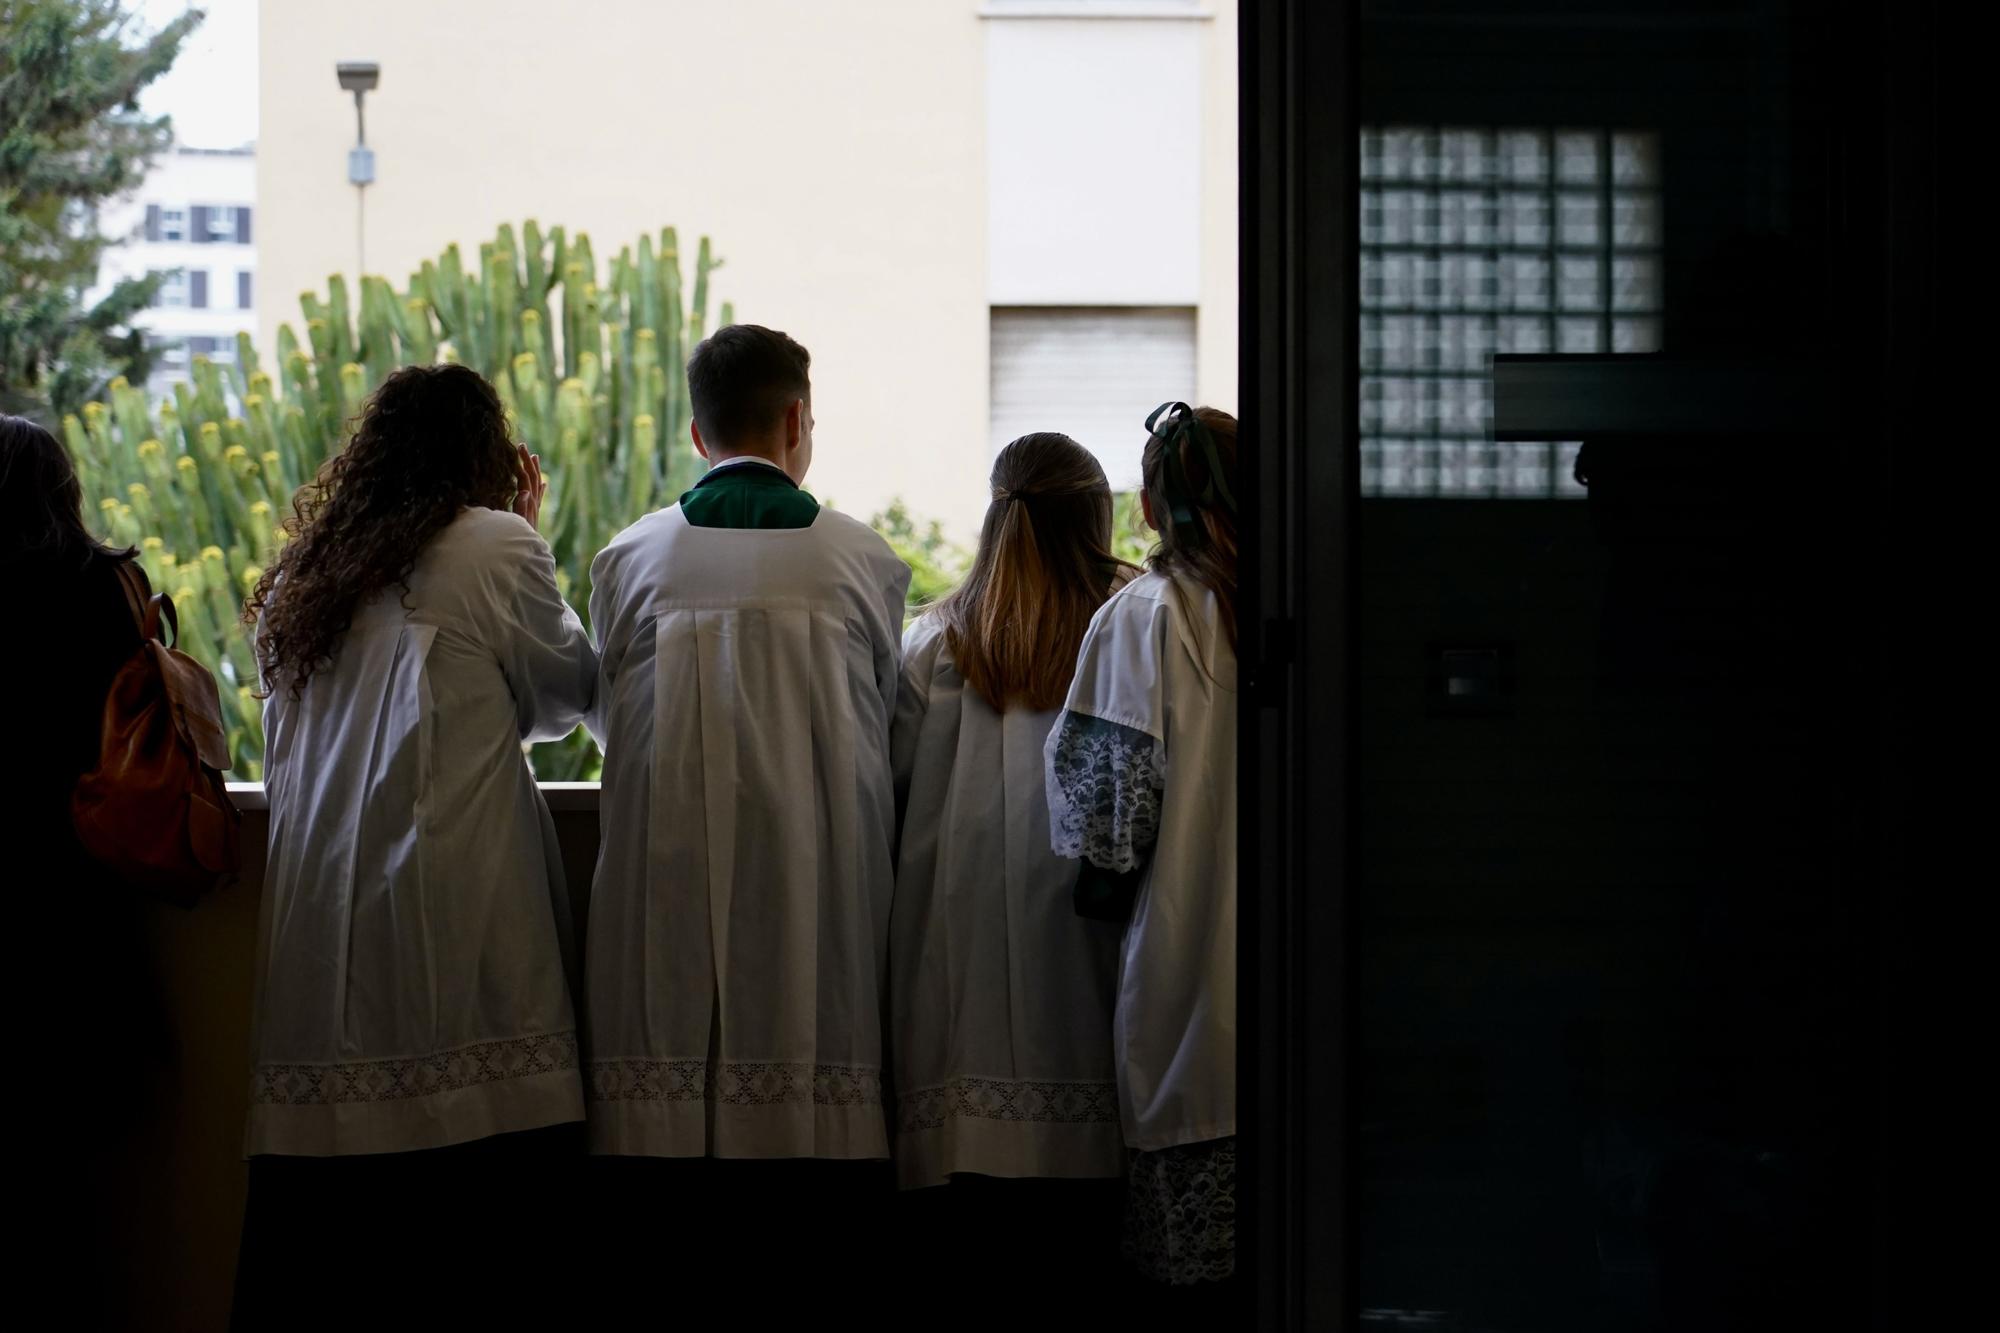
1299 375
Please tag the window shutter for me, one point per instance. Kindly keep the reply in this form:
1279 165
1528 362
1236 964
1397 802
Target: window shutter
242 290
198 224
198 289
152 222
1092 373
242 227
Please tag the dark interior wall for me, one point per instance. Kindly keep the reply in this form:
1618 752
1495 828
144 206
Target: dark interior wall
1712 80
1614 967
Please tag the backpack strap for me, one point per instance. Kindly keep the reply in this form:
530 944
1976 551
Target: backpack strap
146 606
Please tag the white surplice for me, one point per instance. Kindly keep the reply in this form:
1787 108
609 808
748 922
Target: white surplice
1142 772
738 922
1001 993
413 974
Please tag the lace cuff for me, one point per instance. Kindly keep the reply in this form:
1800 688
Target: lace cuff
1105 781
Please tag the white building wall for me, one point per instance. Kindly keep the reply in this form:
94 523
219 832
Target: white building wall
879 177
1093 160
1111 205
180 180
832 151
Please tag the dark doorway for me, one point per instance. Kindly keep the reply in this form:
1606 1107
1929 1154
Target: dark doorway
1584 347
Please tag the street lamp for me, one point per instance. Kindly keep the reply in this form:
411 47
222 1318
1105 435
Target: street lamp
360 77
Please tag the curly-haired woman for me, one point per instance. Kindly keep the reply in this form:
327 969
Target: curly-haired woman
414 1084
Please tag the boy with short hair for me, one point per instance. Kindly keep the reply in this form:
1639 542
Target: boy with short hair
737 927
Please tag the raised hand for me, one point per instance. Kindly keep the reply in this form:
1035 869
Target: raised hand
528 499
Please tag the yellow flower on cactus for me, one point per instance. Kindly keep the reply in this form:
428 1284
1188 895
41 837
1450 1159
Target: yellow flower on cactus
109 504
185 462
250 576
253 402
148 448
138 490
270 458
260 509
235 453
153 544
184 593
211 553
119 382
93 411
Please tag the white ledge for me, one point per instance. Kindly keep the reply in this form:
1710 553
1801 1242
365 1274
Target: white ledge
561 796
1094 9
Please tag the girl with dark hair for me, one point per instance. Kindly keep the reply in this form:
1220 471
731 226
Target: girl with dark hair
414 1051
84 932
1142 788
1000 994
70 581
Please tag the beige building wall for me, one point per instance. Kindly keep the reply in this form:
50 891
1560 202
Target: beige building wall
834 153
1216 319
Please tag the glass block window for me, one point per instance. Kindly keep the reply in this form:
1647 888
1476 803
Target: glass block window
1477 241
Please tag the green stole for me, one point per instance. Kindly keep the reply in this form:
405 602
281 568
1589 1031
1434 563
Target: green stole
748 495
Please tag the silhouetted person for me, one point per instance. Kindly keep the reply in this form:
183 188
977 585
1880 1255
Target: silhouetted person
81 961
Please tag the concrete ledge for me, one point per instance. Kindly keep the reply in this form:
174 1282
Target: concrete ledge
1093 9
563 797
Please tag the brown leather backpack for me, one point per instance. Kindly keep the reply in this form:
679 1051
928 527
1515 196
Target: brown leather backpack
154 810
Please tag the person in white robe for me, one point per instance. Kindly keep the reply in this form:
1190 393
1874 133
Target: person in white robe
1142 788
1000 993
414 970
737 937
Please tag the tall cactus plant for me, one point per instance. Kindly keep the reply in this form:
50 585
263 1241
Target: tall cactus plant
591 364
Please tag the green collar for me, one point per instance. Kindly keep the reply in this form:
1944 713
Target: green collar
748 495
767 474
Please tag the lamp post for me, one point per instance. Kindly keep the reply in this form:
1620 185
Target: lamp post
360 77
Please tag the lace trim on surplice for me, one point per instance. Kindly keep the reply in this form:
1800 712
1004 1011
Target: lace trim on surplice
1037 1101
735 1082
1105 782
413 1076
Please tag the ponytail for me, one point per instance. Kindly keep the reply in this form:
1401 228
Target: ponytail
1044 567
1189 466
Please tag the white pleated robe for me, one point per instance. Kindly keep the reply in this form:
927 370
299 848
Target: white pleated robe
1142 772
737 937
412 983
1001 994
